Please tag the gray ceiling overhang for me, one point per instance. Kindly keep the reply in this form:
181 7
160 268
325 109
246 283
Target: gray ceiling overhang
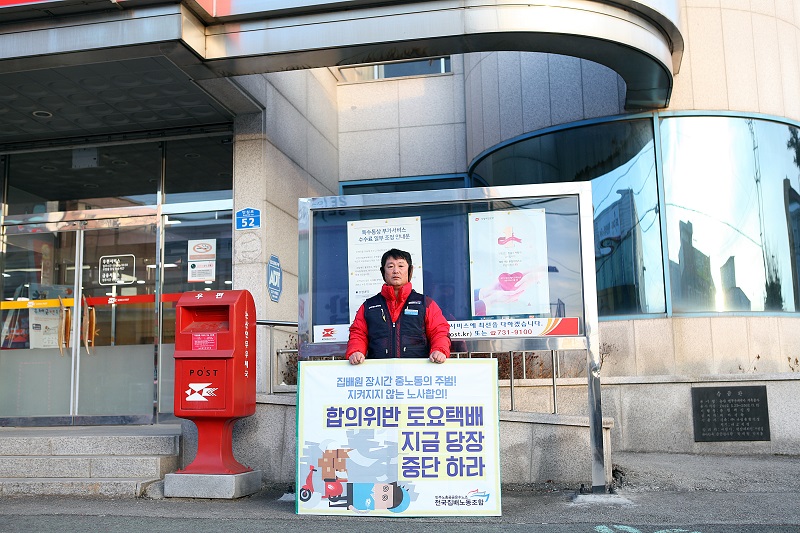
642 42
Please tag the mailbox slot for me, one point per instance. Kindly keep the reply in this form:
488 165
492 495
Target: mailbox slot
207 319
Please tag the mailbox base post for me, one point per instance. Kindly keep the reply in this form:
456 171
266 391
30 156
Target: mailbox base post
214 448
228 487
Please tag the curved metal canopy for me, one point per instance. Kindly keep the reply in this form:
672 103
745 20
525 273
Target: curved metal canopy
641 41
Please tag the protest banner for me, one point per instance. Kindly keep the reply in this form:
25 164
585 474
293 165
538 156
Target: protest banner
398 437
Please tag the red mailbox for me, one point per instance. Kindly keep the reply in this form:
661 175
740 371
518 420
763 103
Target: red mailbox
215 380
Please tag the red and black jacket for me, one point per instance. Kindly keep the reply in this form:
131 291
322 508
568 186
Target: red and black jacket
402 338
412 325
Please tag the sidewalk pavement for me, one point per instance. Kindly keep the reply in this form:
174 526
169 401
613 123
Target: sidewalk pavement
654 493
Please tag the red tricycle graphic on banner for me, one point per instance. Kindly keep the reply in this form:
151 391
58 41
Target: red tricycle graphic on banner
357 497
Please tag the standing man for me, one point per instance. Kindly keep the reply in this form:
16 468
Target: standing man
398 322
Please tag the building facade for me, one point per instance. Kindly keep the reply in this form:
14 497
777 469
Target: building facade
132 131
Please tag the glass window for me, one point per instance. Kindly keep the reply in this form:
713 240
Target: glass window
618 158
36 266
40 265
116 322
403 185
181 273
399 69
125 175
34 380
732 212
445 244
199 170
627 235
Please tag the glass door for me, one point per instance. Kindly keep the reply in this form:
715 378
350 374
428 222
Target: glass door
38 273
78 344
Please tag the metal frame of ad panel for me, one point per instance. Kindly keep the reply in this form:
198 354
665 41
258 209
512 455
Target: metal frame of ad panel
464 237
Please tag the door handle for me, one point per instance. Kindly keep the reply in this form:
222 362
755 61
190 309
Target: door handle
64 326
88 325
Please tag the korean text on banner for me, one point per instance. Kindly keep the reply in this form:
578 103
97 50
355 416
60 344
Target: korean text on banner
398 438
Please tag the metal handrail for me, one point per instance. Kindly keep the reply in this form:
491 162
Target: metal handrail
494 355
273 323
275 354
511 378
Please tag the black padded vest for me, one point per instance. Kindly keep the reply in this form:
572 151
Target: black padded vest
382 334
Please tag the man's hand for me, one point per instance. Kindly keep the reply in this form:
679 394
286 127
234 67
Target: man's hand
436 357
356 358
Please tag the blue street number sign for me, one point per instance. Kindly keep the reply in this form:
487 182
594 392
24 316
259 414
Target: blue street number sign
274 278
248 218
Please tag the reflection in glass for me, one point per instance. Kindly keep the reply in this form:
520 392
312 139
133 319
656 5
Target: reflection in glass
731 190
120 175
34 376
123 175
37 266
116 326
121 357
40 265
199 170
627 238
445 244
179 270
178 231
791 198
131 323
618 158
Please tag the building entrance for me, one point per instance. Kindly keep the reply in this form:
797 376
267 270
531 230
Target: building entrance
79 322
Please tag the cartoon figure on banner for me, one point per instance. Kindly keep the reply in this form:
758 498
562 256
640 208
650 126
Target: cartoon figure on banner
359 497
364 497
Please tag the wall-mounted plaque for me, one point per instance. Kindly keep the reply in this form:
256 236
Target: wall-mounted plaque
730 413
